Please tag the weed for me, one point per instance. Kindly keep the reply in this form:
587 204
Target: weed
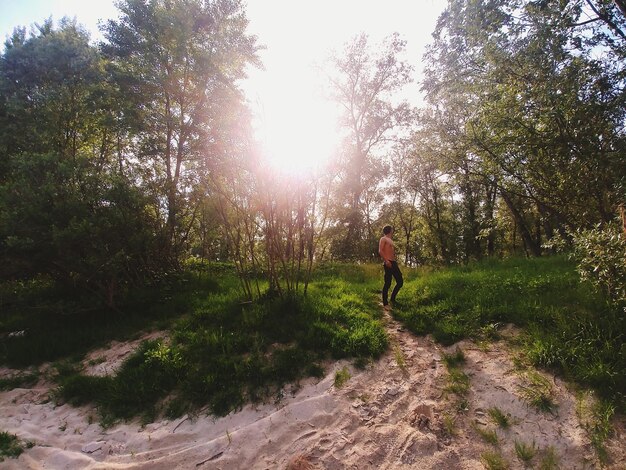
493 461
458 382
449 424
549 460
525 452
488 435
565 324
538 393
455 359
341 377
601 429
499 418
399 356
462 405
229 437
10 446
19 381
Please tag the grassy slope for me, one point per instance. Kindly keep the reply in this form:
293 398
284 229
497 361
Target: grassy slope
566 325
224 353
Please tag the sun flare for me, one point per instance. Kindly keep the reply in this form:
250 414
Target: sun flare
297 134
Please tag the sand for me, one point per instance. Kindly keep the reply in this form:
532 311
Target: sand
395 414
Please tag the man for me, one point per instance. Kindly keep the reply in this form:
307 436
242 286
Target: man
387 252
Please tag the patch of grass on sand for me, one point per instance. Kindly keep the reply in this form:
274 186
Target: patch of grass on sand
341 377
226 353
488 435
458 381
538 392
493 461
10 446
498 417
549 459
566 325
525 452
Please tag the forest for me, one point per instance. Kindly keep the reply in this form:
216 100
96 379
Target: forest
134 194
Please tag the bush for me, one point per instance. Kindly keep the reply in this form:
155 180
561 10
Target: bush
601 256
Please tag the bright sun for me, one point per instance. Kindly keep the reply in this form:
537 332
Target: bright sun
298 132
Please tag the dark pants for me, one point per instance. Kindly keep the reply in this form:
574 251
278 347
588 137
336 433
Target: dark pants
393 271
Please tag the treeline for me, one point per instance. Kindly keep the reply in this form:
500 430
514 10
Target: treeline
119 160
106 150
522 135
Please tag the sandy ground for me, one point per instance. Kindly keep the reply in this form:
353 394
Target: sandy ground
395 414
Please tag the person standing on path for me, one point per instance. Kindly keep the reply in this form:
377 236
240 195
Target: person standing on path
387 251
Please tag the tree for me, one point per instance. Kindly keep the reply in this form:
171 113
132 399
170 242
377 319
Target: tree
363 85
179 61
542 119
65 209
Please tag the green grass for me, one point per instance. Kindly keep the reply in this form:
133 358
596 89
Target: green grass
488 435
59 323
10 446
549 459
227 353
567 326
538 392
341 377
20 380
525 452
455 359
493 461
457 382
499 418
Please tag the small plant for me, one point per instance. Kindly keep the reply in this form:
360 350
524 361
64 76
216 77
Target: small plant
455 359
525 452
488 435
601 429
490 332
449 424
538 393
458 382
10 446
462 405
229 437
499 418
399 356
493 461
549 461
19 381
341 377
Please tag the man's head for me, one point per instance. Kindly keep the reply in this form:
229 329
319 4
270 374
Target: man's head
387 229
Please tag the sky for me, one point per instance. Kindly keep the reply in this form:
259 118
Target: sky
294 120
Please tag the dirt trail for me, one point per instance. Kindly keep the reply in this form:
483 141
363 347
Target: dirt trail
395 414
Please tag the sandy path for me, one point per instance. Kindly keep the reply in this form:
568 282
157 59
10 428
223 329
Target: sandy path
385 417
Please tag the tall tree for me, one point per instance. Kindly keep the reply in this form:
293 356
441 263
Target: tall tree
364 85
180 60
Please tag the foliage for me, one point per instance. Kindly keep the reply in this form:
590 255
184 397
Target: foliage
341 377
10 446
363 82
57 323
567 326
525 452
493 461
229 352
499 418
601 256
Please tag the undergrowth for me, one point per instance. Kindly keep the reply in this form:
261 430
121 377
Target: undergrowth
227 353
566 325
